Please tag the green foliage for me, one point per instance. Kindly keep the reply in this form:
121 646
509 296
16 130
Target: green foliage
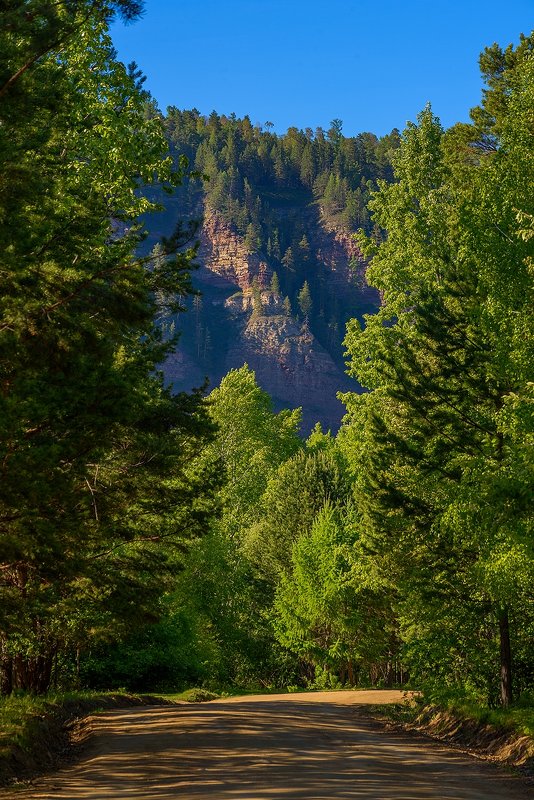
287 306
217 592
172 653
252 441
293 497
305 300
275 284
441 447
257 304
253 238
100 487
415 522
288 261
215 628
221 594
329 609
199 695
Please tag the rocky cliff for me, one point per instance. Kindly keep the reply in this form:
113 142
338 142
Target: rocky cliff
279 213
239 319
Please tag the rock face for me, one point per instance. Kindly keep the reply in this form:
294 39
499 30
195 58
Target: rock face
223 253
239 319
288 360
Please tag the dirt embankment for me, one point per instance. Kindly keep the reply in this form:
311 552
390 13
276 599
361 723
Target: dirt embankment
500 745
55 731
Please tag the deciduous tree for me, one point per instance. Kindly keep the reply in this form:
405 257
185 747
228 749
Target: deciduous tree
443 474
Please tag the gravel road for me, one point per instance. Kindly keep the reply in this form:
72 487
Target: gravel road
316 746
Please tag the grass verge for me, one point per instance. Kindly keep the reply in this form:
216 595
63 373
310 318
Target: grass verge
194 695
505 736
34 730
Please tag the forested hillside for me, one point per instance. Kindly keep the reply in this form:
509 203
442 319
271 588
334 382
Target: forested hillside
280 273
152 539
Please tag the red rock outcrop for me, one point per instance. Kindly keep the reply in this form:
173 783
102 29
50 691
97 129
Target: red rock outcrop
289 362
223 253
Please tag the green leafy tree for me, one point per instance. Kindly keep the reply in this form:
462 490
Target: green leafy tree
330 609
293 497
218 588
442 470
252 441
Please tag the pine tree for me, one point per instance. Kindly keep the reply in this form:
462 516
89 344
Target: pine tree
304 248
275 284
253 238
257 304
288 260
276 252
442 475
92 526
305 300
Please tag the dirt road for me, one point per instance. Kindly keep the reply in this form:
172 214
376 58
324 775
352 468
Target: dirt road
310 746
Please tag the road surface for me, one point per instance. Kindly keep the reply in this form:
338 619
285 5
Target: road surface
316 746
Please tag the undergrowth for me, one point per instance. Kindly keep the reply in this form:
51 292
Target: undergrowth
32 726
518 718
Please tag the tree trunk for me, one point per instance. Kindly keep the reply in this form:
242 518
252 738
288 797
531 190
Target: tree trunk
6 672
350 670
29 673
506 658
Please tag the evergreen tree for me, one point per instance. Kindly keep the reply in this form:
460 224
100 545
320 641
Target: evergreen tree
276 252
307 167
304 248
99 496
305 301
335 132
257 304
253 238
288 260
287 306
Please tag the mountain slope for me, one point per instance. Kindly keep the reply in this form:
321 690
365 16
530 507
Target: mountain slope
280 273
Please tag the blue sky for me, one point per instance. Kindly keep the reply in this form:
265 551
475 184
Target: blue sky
305 62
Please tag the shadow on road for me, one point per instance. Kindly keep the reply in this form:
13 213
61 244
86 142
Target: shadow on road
249 750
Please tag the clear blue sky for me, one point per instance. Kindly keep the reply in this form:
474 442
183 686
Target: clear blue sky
305 62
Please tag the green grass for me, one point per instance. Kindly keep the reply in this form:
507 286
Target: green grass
20 712
16 714
198 694
32 727
518 718
193 695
